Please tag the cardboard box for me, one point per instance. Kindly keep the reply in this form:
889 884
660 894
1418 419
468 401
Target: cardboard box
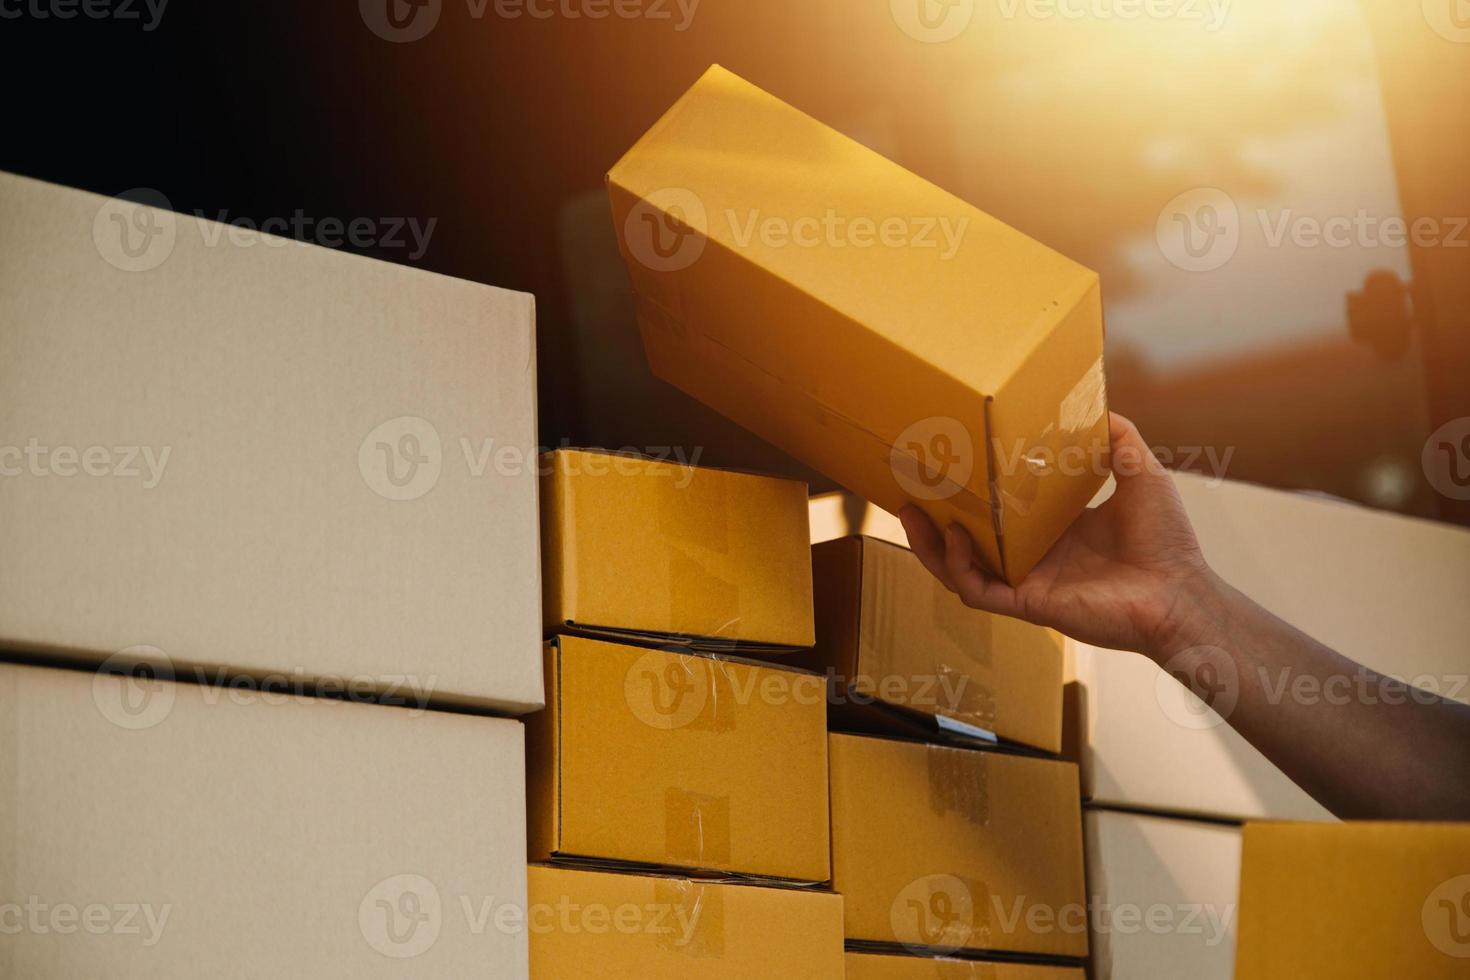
877 328
1162 896
672 759
888 630
1355 900
152 829
587 925
876 966
1384 590
641 548
227 450
942 849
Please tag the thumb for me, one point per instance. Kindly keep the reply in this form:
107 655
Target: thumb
1132 459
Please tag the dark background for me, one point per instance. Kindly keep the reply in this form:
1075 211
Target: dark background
501 130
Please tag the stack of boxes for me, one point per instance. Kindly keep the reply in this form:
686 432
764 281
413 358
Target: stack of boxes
242 497
678 796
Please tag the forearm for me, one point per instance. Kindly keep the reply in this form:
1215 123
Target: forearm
1363 745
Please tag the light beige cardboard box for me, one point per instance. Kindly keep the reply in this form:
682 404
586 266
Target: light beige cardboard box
591 925
225 450
157 830
663 758
1385 590
1162 895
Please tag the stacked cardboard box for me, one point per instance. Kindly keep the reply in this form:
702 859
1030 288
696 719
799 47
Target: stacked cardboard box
677 789
955 829
242 494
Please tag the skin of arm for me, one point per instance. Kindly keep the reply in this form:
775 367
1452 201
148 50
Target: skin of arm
1129 575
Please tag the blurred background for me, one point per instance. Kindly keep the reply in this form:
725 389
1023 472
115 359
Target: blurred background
1274 192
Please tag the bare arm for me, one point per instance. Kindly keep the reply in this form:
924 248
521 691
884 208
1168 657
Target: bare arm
1129 575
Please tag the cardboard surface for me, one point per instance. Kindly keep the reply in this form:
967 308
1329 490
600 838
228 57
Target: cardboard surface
157 830
263 456
588 925
641 547
1386 591
888 630
1164 896
941 355
946 848
871 966
1355 900
682 760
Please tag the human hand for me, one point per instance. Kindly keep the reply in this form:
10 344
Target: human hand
1127 575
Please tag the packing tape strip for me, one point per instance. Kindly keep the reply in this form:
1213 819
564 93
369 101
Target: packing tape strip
696 829
1079 412
959 783
670 690
695 916
693 518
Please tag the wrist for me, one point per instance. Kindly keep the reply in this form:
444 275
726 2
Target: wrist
1196 616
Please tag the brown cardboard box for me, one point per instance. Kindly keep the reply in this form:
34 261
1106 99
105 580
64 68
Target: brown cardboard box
588 925
875 966
165 830
946 849
1163 896
877 328
1387 591
231 451
676 759
637 547
1354 900
887 629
